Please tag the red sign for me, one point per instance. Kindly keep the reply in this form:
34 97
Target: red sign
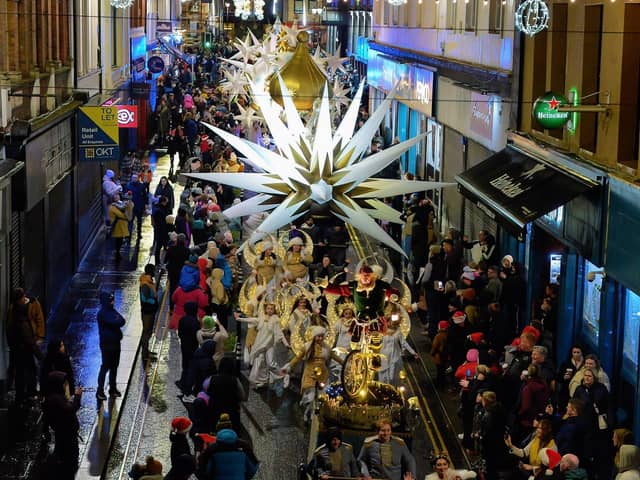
482 115
127 116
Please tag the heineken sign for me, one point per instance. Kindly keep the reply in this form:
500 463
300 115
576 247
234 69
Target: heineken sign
545 110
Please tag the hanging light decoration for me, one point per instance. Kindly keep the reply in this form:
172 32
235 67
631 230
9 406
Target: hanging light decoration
248 8
396 3
532 16
122 3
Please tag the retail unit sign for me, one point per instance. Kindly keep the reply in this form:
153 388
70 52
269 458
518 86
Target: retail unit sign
98 134
545 110
481 121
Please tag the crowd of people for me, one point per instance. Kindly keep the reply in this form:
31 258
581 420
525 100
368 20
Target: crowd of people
521 415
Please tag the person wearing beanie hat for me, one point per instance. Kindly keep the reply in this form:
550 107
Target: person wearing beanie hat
297 259
334 458
468 369
228 458
224 422
315 371
153 469
180 426
439 352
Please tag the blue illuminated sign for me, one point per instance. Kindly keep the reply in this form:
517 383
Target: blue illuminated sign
138 47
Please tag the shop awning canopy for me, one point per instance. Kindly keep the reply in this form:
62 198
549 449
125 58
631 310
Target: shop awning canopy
515 188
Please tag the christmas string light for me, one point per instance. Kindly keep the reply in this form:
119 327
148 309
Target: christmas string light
121 3
532 16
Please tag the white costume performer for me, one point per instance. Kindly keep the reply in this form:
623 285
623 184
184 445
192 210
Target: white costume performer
393 343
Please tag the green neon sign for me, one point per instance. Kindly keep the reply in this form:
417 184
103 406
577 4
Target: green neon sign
545 110
572 124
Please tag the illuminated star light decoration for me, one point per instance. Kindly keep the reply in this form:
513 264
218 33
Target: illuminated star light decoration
318 165
532 16
121 3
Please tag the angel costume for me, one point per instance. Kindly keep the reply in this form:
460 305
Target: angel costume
393 343
296 264
261 356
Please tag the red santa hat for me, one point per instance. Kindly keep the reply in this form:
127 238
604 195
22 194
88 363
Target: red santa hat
532 330
550 459
443 325
181 424
459 317
477 337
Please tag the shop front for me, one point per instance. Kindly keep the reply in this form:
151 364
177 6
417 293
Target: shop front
618 330
411 113
475 125
551 212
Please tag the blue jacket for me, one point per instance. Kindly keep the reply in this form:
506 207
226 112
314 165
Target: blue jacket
230 460
109 322
227 276
189 277
139 199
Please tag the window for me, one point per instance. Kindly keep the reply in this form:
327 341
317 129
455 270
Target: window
471 15
591 75
592 291
629 88
114 36
495 16
631 333
558 54
452 6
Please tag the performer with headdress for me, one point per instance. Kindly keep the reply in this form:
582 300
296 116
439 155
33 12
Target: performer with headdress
269 333
266 263
315 373
370 294
297 260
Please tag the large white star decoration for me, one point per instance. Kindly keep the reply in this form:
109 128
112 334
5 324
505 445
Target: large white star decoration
247 116
336 62
235 82
246 49
326 169
340 94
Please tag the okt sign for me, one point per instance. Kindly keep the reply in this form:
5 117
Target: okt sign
98 134
545 110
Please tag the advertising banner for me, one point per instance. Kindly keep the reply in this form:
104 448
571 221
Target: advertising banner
98 134
128 116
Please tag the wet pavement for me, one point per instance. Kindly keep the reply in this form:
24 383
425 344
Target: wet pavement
116 433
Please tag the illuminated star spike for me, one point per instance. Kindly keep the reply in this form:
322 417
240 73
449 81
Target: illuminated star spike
246 49
235 82
318 166
336 62
247 116
340 93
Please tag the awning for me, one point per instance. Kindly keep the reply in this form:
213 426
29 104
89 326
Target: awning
515 188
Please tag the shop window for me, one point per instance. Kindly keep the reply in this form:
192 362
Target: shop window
496 13
114 36
592 291
631 332
558 54
539 69
452 6
471 15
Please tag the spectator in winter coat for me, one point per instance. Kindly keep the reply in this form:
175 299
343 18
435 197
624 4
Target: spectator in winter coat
137 189
23 345
110 323
177 255
180 426
201 367
183 226
149 307
56 360
492 427
212 329
571 434
228 459
533 399
61 416
109 189
182 469
226 393
164 189
188 291
188 328
439 352
160 226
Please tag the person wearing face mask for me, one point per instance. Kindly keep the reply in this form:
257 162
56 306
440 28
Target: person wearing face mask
443 471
